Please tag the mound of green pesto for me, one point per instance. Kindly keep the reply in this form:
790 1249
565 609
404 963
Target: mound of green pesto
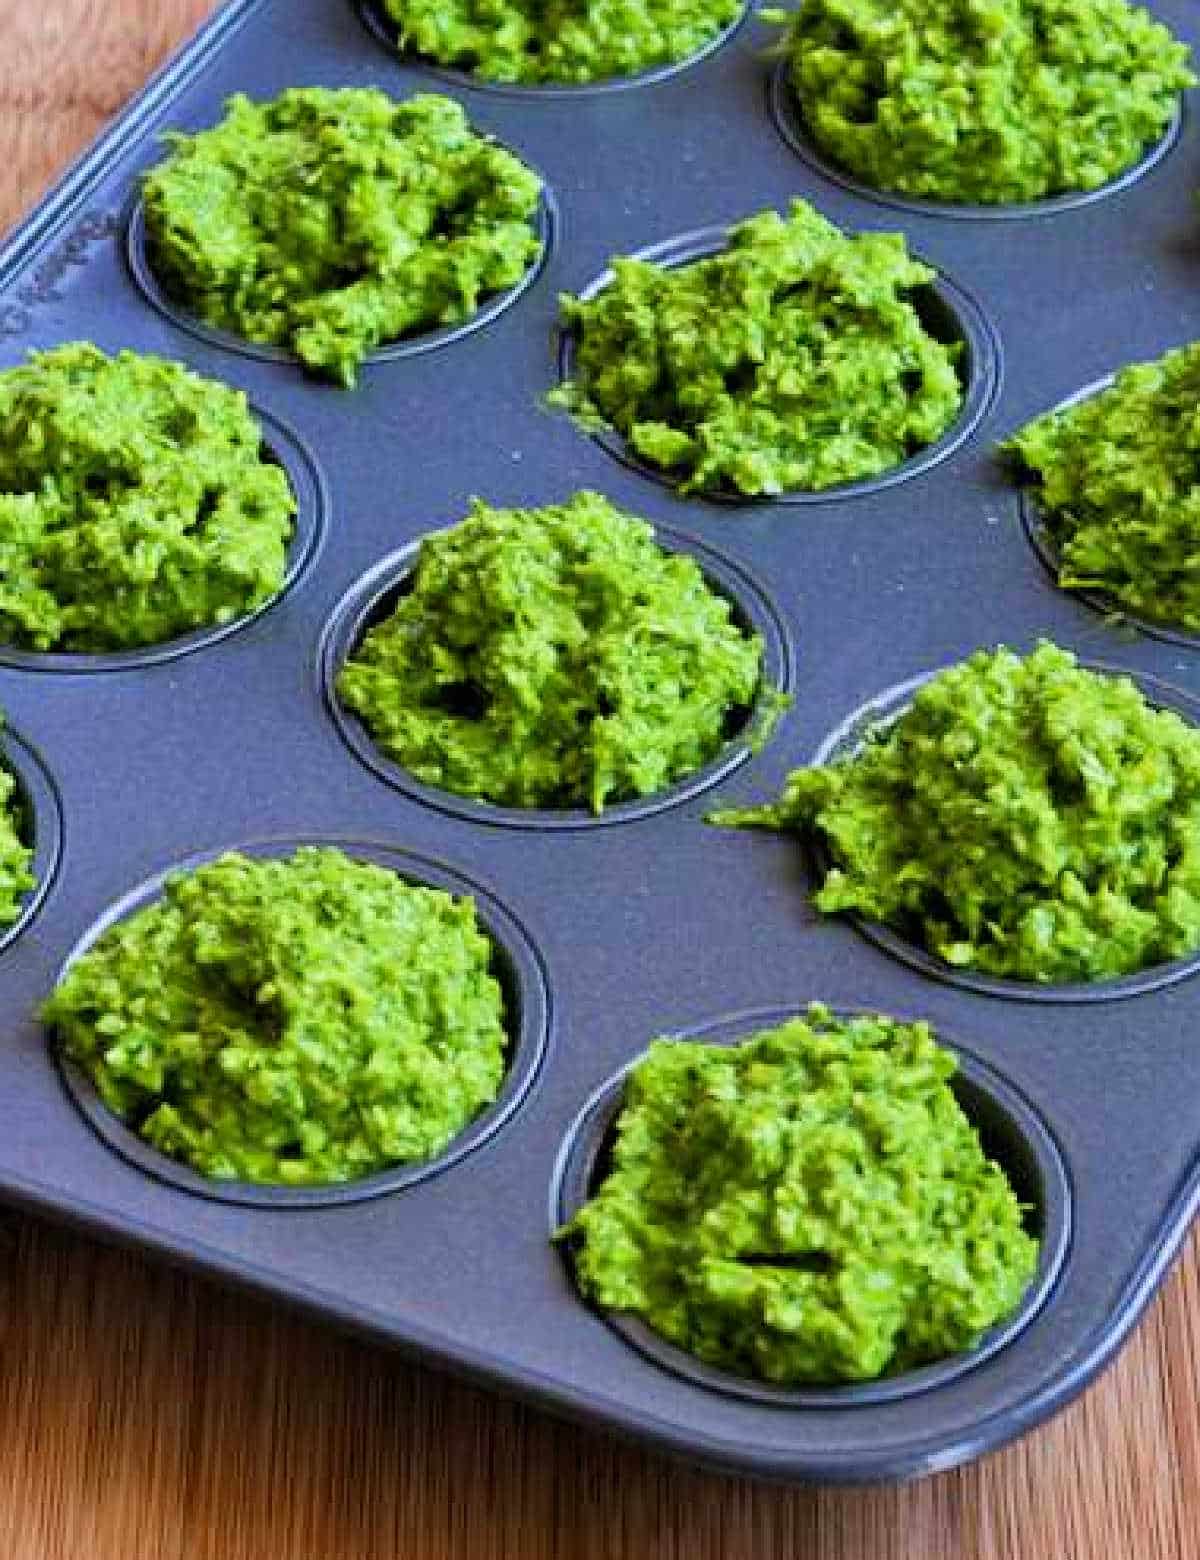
15 855
1023 817
795 358
987 101
136 503
568 41
1117 481
553 657
298 1020
810 1205
328 221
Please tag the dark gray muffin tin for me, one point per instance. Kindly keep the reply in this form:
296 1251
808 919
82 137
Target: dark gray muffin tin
645 921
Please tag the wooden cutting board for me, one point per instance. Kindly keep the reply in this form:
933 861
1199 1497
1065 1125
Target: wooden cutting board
149 1416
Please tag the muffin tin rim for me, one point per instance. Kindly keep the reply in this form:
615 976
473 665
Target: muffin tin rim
593 1124
347 621
530 1029
1034 525
382 29
884 709
36 790
546 224
306 479
980 387
788 118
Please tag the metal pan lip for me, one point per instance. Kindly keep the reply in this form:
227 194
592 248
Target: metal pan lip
943 296
522 972
369 596
383 30
789 121
546 224
309 489
983 1084
885 708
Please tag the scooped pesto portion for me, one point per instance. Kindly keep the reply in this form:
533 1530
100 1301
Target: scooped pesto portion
796 358
568 41
329 221
553 657
1023 817
810 1205
137 503
985 101
299 1020
16 857
1117 483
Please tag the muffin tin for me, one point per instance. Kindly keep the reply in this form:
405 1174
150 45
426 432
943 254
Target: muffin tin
644 921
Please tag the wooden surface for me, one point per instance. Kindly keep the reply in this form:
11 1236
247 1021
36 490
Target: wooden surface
147 1416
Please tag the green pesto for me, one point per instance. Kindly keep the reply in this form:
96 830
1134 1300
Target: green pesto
794 359
1023 817
986 101
1117 483
566 41
299 1020
553 657
328 221
15 855
136 503
808 1206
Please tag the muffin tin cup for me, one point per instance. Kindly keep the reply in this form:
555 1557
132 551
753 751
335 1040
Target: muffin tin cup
946 310
285 448
40 825
790 122
373 597
883 711
517 966
137 255
1011 1131
1035 524
375 19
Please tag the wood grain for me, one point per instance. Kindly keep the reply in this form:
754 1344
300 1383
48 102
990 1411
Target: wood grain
148 1416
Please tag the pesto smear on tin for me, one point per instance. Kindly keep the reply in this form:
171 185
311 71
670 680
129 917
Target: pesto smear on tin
986 101
796 358
329 221
567 41
136 503
300 1020
1117 483
810 1205
1023 817
553 657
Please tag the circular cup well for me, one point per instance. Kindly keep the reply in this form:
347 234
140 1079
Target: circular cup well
948 313
790 122
517 966
374 597
39 824
1039 534
883 711
1012 1132
381 27
545 226
283 447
